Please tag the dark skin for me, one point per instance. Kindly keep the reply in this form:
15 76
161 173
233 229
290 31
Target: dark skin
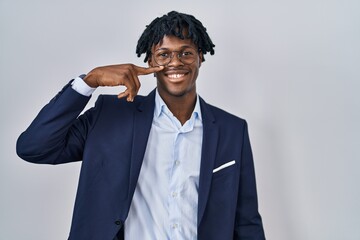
176 82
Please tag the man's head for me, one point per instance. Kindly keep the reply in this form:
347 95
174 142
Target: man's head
178 42
176 24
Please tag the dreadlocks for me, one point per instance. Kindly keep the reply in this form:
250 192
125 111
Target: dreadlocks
174 23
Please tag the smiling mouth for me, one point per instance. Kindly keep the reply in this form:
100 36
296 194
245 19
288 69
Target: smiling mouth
175 76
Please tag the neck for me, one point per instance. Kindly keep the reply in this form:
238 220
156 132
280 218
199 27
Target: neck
181 106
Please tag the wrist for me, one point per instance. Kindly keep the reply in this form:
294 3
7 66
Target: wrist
90 79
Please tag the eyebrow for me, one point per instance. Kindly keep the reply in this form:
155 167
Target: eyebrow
182 47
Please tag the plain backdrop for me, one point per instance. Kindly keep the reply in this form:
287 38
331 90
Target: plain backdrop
290 68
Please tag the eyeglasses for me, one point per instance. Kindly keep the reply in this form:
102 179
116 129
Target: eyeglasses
187 56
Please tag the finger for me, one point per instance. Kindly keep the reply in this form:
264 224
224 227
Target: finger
123 94
126 94
135 79
149 70
133 86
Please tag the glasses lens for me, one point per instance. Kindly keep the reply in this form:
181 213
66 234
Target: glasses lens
188 56
163 57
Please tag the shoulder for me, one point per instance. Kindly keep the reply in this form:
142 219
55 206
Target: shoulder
230 127
220 115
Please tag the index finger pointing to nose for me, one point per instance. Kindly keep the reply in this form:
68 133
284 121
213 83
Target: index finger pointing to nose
146 71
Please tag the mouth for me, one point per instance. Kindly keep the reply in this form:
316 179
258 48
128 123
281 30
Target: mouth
175 76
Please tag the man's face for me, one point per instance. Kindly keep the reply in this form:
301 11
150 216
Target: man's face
177 79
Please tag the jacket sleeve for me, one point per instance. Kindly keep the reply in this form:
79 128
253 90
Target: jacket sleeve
248 223
57 135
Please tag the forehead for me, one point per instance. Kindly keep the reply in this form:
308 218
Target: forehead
173 42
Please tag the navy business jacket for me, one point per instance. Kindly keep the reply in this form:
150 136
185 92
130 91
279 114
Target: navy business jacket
110 140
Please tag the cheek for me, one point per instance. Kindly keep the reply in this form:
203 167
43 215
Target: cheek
197 69
195 74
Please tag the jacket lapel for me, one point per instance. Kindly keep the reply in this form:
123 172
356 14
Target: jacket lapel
143 117
208 154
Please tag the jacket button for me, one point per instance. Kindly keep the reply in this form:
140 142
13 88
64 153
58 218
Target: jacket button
118 222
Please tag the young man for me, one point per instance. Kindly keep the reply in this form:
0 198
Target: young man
164 166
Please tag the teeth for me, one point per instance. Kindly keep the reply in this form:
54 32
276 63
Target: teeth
175 75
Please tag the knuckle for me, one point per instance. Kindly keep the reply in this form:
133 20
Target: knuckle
130 67
128 71
131 88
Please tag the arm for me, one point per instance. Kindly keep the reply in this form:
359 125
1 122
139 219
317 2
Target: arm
57 135
248 223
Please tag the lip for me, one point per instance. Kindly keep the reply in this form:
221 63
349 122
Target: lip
175 75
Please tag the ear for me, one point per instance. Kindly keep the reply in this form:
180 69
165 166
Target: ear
201 57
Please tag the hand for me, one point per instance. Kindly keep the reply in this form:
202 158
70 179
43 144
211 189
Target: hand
120 75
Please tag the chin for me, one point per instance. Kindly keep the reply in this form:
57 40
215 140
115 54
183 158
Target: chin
176 92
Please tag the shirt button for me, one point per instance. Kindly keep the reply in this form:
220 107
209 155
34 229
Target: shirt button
174 226
174 194
177 162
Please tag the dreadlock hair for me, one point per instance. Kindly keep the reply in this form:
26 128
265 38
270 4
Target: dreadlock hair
174 23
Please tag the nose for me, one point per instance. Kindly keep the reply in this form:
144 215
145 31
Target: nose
175 60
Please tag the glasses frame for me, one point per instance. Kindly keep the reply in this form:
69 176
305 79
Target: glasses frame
178 56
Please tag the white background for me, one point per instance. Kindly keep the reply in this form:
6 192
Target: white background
290 68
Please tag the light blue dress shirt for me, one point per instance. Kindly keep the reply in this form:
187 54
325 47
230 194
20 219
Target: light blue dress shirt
165 202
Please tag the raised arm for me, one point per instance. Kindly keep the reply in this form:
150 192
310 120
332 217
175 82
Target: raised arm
58 134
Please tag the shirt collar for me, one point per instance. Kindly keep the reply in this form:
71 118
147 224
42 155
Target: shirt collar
160 106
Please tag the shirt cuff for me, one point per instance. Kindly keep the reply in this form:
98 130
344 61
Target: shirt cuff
81 87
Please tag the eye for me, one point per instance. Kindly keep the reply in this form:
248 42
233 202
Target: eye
187 53
163 54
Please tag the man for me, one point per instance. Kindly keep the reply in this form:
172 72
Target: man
164 166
